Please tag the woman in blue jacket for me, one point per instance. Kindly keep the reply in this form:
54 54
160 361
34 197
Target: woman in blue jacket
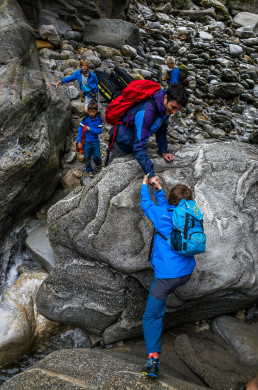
171 270
87 80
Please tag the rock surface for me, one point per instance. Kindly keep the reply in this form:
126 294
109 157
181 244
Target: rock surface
34 121
21 326
117 33
95 226
240 336
94 370
38 243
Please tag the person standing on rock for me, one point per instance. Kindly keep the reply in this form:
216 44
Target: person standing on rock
144 120
87 80
171 269
88 140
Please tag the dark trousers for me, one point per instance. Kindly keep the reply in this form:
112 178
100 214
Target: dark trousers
155 310
92 149
113 153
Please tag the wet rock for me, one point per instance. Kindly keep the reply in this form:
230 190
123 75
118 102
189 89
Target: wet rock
91 57
21 326
49 32
107 52
146 12
214 132
49 54
72 92
38 243
229 75
242 6
240 336
245 32
246 19
29 164
226 90
163 18
206 36
73 35
128 51
117 33
235 50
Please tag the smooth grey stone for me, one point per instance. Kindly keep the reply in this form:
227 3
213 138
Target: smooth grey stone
38 243
240 336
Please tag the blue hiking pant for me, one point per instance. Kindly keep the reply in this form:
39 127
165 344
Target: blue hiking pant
92 149
155 310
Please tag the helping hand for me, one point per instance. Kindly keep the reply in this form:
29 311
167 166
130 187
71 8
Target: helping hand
155 182
168 157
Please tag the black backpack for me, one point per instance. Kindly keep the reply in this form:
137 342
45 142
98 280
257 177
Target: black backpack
111 84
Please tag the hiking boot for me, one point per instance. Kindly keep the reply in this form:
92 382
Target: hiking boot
151 368
91 175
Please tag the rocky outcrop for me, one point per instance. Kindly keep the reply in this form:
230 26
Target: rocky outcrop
94 370
33 125
21 326
236 6
101 241
64 14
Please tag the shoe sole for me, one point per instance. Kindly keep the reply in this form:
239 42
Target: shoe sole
151 375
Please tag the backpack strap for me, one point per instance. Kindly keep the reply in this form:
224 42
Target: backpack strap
161 235
186 230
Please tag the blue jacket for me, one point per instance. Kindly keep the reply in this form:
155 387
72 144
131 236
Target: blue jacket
138 125
166 262
95 129
92 80
175 76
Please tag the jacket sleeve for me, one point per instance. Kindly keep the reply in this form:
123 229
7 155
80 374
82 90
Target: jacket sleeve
175 76
161 198
150 209
161 139
143 121
97 129
71 78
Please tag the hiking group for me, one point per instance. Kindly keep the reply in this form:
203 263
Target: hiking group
141 110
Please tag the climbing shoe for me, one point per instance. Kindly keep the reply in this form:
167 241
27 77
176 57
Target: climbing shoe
151 368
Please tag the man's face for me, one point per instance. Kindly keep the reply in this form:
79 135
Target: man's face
172 106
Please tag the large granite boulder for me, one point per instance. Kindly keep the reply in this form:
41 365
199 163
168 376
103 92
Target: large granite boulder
78 369
101 240
34 120
114 34
21 326
236 6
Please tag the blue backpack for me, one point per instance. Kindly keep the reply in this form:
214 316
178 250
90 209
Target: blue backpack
187 237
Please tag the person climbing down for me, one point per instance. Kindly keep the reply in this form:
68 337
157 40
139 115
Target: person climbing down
88 139
87 80
171 269
175 76
142 121
175 73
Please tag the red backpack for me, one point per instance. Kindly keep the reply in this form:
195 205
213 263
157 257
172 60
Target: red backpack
134 93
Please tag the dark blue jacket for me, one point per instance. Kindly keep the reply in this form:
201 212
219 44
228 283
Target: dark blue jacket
92 80
138 125
95 129
166 262
175 76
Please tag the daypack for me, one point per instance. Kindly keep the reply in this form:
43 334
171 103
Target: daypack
112 83
134 93
183 72
109 88
121 77
187 237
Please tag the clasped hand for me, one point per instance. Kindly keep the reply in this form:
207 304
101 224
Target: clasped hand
153 181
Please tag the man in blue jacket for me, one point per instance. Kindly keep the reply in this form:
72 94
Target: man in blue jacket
171 269
142 121
87 80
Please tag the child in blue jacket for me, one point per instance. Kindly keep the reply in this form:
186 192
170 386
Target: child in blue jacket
88 131
87 80
171 270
